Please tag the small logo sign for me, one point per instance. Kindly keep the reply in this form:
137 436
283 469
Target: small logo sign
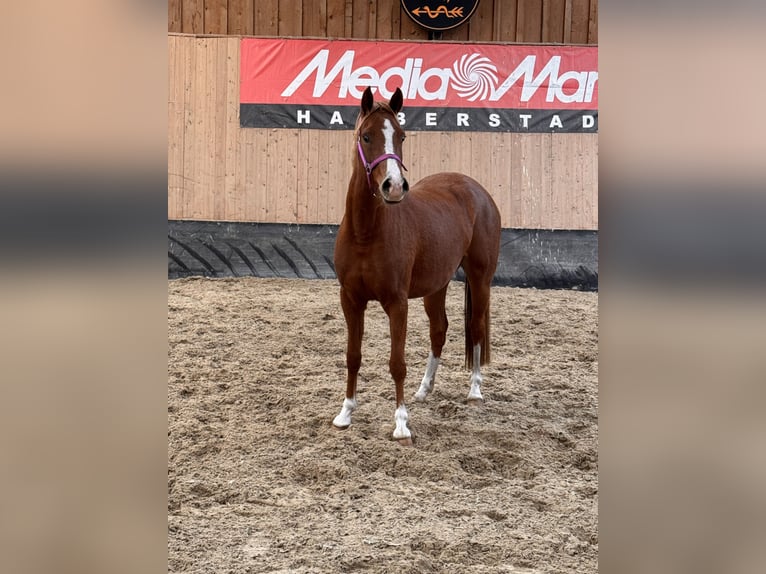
440 15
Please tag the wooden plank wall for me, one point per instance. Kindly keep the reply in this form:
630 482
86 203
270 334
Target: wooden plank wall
551 21
221 172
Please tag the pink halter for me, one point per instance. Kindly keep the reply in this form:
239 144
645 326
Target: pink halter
368 167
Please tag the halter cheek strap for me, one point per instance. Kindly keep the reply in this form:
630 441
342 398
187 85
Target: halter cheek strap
368 167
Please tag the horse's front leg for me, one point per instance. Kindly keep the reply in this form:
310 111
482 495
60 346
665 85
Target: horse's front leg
397 319
354 314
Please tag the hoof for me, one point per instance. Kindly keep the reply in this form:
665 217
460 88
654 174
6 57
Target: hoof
405 441
475 402
336 427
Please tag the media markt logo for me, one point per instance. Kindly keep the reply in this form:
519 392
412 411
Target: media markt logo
440 14
472 76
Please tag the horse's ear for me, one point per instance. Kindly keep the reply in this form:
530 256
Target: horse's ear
367 101
396 101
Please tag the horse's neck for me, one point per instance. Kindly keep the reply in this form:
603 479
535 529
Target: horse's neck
361 206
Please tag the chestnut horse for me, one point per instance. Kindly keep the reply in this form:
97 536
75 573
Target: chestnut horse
397 243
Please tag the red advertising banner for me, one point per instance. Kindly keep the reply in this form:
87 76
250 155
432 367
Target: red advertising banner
466 87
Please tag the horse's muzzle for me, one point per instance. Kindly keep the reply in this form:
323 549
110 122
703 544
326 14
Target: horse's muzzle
394 192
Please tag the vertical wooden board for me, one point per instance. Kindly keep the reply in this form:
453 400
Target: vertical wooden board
593 23
216 16
286 182
549 207
589 168
580 18
445 151
372 19
263 187
189 125
567 21
481 26
266 17
516 206
395 8
359 18
504 21
481 152
318 176
529 21
175 17
232 187
383 12
248 170
415 158
462 148
323 189
203 106
290 18
219 129
302 175
529 180
565 184
315 18
577 179
241 17
193 16
172 129
498 178
348 18
338 173
176 126
553 21
336 18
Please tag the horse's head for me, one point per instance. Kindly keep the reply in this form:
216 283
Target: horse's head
379 143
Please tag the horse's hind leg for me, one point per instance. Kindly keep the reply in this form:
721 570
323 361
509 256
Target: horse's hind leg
354 313
437 318
477 331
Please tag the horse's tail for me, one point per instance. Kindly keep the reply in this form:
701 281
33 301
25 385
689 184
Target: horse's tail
469 344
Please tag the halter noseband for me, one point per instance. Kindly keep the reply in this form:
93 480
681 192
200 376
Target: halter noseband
368 167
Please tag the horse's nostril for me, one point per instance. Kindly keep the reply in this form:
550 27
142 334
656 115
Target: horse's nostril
386 185
406 186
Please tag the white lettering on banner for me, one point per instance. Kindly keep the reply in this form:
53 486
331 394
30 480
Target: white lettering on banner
433 83
468 120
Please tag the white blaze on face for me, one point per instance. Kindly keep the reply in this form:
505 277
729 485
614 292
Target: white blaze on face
392 166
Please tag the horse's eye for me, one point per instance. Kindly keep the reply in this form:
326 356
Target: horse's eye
366 138
404 138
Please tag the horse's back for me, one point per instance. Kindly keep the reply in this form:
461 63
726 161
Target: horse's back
468 193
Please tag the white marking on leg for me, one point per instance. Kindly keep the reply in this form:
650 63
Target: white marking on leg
476 380
427 384
401 417
344 417
392 166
